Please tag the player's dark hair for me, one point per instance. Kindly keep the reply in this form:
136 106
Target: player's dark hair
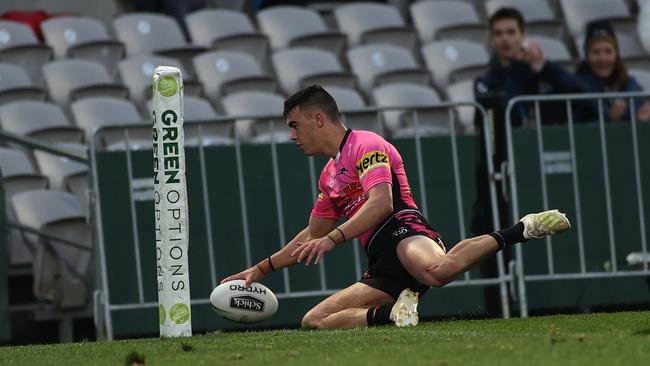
313 97
507 13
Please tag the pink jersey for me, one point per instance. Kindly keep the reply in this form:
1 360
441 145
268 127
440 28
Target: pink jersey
364 160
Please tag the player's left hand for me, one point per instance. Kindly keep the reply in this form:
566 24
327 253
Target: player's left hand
311 248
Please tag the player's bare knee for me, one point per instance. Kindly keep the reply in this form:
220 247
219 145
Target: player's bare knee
442 273
312 320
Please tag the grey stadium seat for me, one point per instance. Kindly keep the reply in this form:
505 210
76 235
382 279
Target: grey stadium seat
251 104
18 45
65 174
145 33
351 104
93 113
213 133
365 22
580 12
224 72
463 91
83 37
435 20
232 30
137 72
555 50
72 79
18 175
380 64
299 67
401 121
642 76
454 60
15 84
60 271
40 120
295 26
537 14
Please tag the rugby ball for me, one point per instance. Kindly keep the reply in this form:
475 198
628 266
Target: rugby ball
233 301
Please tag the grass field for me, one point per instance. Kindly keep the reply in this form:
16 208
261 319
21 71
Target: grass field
597 339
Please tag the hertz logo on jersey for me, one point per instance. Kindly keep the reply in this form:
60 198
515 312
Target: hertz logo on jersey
370 161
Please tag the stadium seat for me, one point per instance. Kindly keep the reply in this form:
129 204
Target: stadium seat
538 15
40 120
15 84
400 121
18 45
262 104
380 64
213 133
65 174
137 72
577 13
351 104
18 175
365 22
60 271
230 30
436 20
463 91
295 26
85 38
642 76
454 60
300 67
93 113
145 33
225 72
643 25
555 50
72 79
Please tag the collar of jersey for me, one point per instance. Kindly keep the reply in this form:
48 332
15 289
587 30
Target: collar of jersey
345 138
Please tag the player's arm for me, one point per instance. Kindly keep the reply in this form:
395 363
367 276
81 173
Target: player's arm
317 227
378 206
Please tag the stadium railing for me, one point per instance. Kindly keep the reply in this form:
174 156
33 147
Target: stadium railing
245 201
45 309
594 171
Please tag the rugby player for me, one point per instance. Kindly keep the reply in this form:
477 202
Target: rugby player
365 182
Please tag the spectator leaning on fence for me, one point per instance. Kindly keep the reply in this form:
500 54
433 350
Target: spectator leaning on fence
518 67
603 71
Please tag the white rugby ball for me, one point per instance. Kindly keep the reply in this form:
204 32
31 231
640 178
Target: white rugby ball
233 301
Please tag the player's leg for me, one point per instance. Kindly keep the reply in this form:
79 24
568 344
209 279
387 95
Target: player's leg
347 308
426 261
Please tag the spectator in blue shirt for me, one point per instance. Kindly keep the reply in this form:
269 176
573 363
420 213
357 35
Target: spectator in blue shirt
604 71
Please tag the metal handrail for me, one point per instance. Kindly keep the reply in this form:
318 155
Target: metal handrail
39 145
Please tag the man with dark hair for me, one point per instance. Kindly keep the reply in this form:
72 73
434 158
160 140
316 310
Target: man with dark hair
517 67
365 182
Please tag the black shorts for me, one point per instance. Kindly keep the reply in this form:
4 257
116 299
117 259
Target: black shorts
385 271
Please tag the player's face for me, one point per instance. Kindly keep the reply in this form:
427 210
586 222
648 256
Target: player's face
304 132
506 38
602 59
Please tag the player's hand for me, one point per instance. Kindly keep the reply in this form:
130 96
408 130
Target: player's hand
249 275
313 248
